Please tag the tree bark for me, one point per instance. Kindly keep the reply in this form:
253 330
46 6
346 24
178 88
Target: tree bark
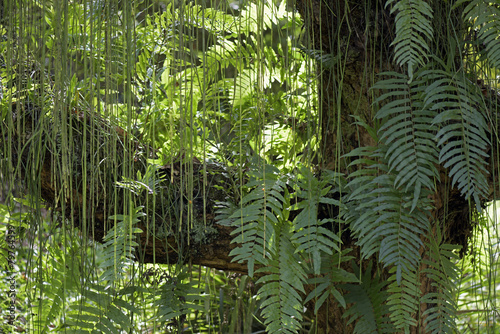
361 33
341 29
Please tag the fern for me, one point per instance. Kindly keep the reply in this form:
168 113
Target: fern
228 53
119 245
484 18
382 218
101 309
176 297
407 132
310 236
53 297
251 15
244 86
441 269
360 200
264 210
404 298
320 244
368 309
327 60
219 23
332 274
398 177
58 283
214 21
463 137
257 217
282 303
398 227
413 30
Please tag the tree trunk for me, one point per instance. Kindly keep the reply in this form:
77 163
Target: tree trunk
361 35
339 29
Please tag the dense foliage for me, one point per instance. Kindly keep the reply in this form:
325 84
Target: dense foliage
134 104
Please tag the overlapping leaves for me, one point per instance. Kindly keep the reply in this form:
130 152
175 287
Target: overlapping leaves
485 23
413 31
407 132
463 135
282 286
441 268
256 217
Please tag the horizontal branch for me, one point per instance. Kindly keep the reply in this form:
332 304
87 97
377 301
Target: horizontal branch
177 199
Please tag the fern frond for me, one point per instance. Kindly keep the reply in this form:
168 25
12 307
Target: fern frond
257 217
407 132
400 232
326 284
177 296
97 312
484 16
404 299
368 300
281 288
383 220
213 20
56 284
362 188
55 294
119 245
441 269
327 60
413 30
228 53
244 86
310 236
252 11
463 137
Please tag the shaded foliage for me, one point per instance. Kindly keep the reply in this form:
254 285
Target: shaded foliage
153 128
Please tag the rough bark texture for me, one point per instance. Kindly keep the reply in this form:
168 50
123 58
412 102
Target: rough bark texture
343 28
361 32
184 228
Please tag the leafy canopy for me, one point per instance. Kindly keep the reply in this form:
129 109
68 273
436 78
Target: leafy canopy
114 93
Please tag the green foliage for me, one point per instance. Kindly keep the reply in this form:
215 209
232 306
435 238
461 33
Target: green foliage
382 222
484 18
200 82
390 192
477 285
63 272
109 299
310 236
119 245
101 310
282 284
326 284
279 246
369 310
463 135
413 31
442 270
403 300
216 95
411 150
256 219
177 297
